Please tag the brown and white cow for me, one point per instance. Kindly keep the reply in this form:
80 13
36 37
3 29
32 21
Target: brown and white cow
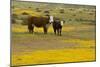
39 22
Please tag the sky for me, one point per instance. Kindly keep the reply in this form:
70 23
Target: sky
83 2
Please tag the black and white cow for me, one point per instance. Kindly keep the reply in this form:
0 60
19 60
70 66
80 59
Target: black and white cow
57 26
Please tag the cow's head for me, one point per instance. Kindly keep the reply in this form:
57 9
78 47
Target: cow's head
62 22
51 19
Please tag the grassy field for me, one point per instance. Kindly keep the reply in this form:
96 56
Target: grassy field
77 43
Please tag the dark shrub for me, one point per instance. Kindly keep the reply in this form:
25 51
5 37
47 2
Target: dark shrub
90 13
13 18
70 19
29 7
61 10
74 14
38 10
46 11
71 9
14 15
80 11
12 7
24 21
25 13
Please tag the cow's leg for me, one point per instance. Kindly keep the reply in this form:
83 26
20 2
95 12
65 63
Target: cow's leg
60 31
54 30
45 30
57 31
32 29
29 30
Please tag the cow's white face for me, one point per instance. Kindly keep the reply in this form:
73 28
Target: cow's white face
62 23
51 19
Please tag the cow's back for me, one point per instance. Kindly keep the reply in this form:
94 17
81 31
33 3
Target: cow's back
57 24
38 21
